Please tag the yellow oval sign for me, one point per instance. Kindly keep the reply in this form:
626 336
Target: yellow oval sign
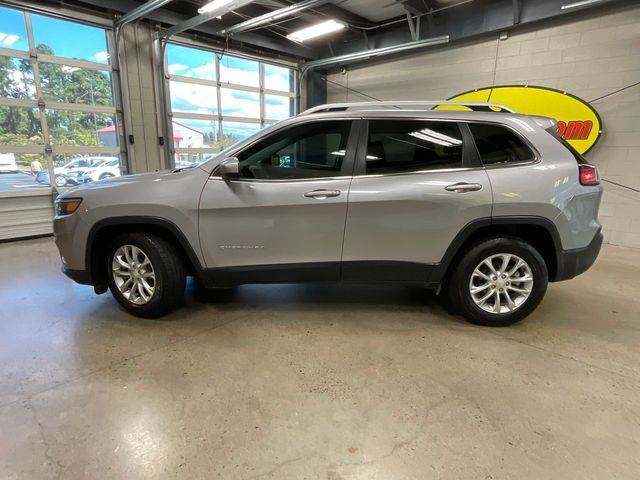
578 122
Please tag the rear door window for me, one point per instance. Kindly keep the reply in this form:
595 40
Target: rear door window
499 145
403 146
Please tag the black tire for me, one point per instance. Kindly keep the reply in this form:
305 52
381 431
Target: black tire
104 176
459 282
170 277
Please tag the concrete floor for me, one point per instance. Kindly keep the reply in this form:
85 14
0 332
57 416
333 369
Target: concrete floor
316 382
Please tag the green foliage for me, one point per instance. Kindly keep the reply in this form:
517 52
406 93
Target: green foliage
21 126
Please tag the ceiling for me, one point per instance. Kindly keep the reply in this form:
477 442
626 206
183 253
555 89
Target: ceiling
370 24
373 10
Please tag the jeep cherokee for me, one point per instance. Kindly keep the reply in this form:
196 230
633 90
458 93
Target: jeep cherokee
480 203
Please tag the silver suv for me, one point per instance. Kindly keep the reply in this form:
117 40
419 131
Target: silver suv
479 203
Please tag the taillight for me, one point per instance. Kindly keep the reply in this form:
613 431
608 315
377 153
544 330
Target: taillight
589 175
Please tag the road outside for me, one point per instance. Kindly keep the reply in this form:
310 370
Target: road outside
17 181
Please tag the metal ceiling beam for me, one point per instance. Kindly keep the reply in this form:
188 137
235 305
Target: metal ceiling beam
139 12
376 52
516 12
476 18
203 18
212 29
272 16
412 6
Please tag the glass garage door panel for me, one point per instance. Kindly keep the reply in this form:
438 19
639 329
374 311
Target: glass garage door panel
212 110
193 98
278 78
16 78
13 30
278 108
67 84
20 126
191 62
82 128
239 71
235 131
78 41
190 133
238 103
19 173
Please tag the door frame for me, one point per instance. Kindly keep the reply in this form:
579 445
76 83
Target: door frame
289 272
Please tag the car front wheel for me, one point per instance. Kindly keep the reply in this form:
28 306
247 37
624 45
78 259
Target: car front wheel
145 274
498 282
60 180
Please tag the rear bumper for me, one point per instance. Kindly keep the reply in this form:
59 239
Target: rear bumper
572 263
82 277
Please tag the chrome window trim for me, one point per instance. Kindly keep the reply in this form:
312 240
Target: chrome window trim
280 180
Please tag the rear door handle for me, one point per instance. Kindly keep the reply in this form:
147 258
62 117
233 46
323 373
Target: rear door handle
463 187
322 194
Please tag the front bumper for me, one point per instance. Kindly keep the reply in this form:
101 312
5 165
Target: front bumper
572 263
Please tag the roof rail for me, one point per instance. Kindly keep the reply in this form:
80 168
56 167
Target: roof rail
475 106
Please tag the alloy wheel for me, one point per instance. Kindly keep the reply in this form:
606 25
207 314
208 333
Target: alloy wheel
501 283
133 274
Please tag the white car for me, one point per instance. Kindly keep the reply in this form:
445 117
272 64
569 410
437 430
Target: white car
104 170
8 162
68 173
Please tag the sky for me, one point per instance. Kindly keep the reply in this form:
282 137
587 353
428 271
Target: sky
75 40
192 98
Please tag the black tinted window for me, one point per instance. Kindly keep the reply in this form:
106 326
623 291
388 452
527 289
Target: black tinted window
498 144
306 151
397 146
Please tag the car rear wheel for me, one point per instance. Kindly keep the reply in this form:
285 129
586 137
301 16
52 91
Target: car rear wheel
105 176
498 282
145 274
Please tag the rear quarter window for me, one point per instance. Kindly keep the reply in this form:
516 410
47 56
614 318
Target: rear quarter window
497 145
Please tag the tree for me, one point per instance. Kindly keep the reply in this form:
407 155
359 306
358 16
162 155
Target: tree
59 83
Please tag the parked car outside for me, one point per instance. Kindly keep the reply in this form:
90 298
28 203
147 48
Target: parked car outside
102 171
68 173
484 207
8 162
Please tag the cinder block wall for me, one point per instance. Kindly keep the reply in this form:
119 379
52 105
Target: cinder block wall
589 55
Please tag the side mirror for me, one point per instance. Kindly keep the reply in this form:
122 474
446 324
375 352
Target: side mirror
230 168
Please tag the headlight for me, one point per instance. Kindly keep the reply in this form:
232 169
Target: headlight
67 206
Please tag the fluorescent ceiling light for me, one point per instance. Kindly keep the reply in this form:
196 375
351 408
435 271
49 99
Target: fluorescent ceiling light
316 30
429 135
579 4
213 6
342 153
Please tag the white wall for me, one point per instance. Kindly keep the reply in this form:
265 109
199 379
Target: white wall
588 56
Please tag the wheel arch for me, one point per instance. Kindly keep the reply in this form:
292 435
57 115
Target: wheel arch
105 230
539 232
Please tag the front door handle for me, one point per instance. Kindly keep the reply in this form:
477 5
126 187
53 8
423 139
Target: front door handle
462 187
322 194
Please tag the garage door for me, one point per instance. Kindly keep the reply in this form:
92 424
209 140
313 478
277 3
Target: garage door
59 119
